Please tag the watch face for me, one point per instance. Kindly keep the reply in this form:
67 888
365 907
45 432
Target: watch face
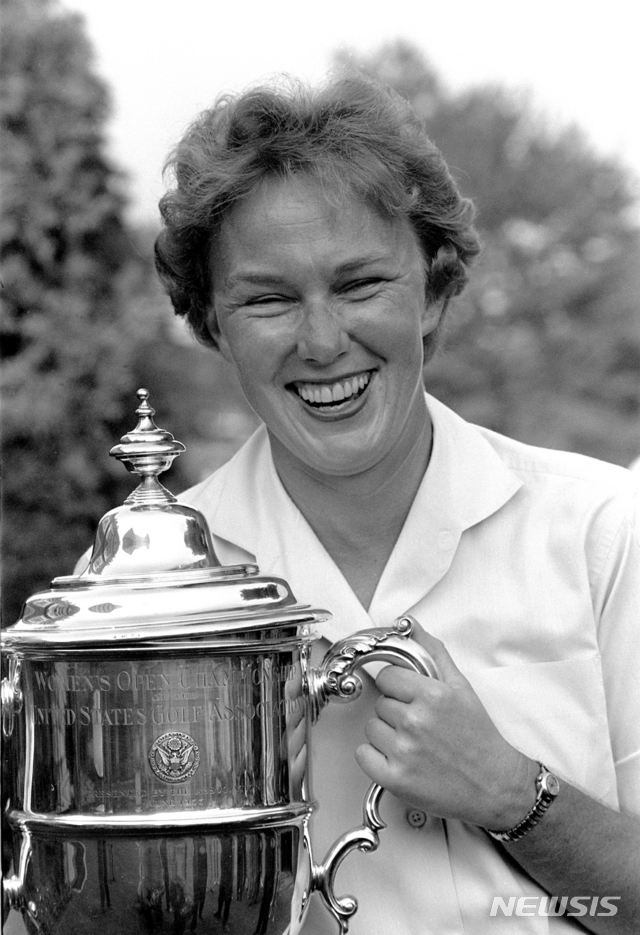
553 786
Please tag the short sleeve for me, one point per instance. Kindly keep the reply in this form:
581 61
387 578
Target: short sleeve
617 606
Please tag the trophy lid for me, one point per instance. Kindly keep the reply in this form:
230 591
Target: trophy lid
153 574
151 531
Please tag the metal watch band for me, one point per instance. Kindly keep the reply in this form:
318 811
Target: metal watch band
547 787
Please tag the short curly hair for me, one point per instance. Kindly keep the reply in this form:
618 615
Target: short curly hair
353 136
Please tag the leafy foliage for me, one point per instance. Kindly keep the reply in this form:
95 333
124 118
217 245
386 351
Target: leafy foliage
68 270
545 344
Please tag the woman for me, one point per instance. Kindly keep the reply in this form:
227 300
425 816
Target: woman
316 239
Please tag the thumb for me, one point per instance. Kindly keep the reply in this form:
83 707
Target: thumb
447 669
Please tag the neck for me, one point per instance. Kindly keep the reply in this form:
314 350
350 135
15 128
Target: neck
359 517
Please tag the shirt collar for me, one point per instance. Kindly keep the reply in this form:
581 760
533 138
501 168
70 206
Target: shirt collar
466 482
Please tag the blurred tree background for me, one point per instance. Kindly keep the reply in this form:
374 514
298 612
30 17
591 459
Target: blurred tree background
544 345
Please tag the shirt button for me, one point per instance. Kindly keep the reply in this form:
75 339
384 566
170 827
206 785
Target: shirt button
416 818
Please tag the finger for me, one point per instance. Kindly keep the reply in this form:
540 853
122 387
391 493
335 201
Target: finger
295 717
404 684
298 736
448 670
390 711
299 762
381 736
373 763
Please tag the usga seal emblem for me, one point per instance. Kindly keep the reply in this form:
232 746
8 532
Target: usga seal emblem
174 756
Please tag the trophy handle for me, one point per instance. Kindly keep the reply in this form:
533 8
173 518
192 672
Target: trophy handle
13 887
336 679
11 696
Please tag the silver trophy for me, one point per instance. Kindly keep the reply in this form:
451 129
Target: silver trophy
157 711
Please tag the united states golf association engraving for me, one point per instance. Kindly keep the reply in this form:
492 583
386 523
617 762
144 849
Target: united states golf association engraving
174 756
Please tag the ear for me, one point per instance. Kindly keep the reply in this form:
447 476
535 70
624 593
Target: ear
432 314
214 330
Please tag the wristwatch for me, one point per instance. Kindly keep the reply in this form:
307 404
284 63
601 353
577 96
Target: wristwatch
547 788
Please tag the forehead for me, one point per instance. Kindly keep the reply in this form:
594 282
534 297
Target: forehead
286 216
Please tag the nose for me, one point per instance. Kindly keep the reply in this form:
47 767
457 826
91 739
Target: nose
322 337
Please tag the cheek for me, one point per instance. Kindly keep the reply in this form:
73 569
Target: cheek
255 361
259 348
400 340
235 345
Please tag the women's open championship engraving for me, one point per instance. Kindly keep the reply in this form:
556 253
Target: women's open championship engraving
157 712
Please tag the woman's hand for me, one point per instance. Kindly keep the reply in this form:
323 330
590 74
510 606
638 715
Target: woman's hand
433 745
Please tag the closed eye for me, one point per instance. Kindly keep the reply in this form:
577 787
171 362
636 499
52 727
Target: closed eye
266 299
363 285
270 304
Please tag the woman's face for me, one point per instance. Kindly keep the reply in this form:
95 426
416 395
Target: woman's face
322 311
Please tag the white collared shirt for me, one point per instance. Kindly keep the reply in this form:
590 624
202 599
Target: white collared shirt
526 563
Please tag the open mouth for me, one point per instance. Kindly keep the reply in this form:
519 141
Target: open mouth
330 397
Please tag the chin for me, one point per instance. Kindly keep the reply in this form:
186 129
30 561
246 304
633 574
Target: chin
341 463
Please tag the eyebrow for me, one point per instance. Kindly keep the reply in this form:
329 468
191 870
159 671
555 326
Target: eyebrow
268 279
258 279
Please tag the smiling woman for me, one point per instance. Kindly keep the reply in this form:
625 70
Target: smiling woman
315 239
349 138
323 313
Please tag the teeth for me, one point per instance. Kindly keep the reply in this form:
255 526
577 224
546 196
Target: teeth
324 395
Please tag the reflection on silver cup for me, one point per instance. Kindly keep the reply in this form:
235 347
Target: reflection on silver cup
251 881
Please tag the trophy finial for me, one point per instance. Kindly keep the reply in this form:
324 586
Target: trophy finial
152 531
147 451
144 408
